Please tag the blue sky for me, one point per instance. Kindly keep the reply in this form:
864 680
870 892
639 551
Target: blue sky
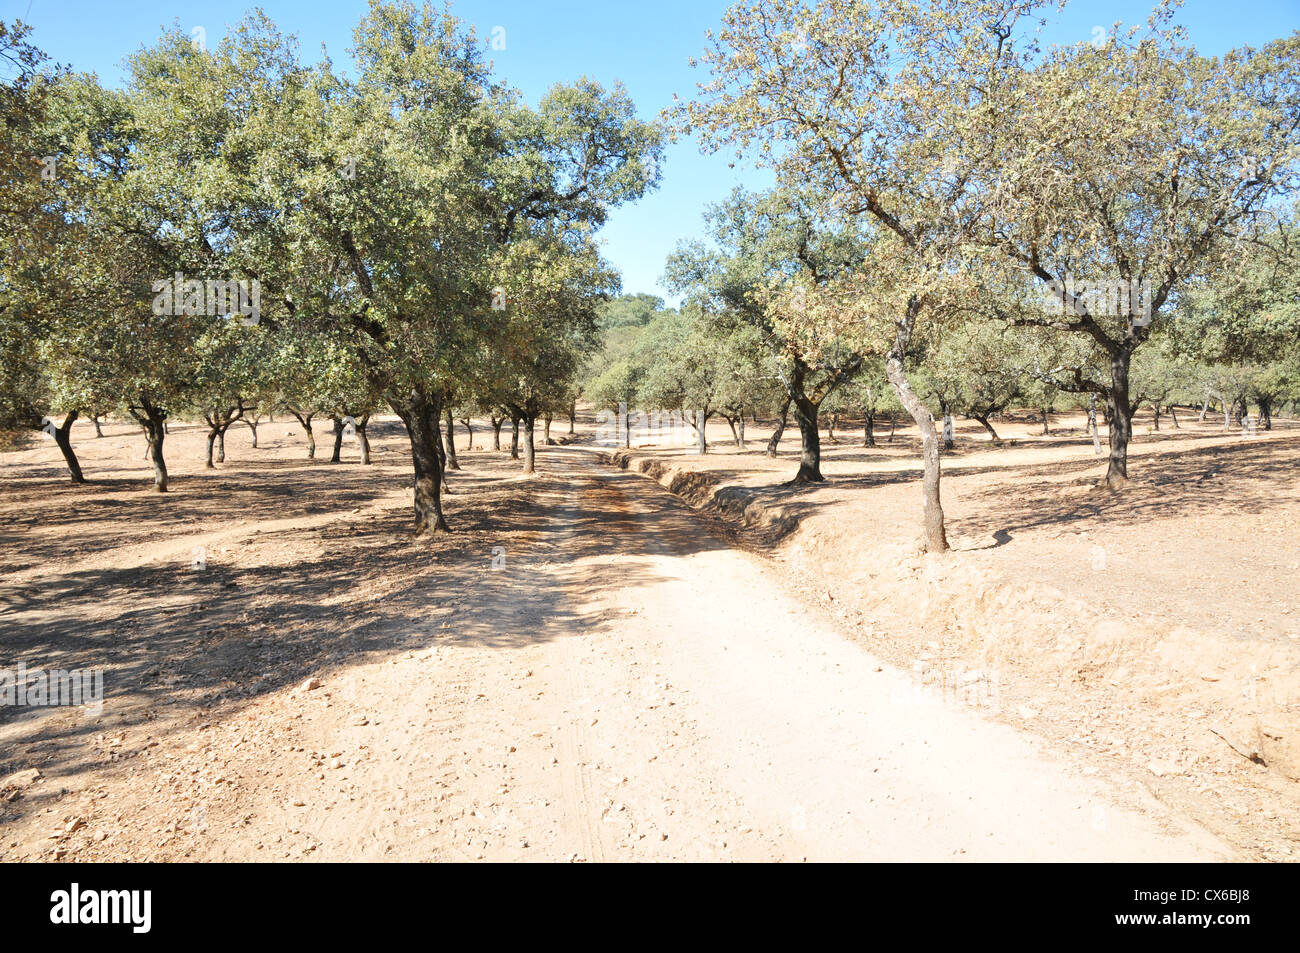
645 45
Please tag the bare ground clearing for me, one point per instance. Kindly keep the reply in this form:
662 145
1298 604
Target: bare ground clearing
631 685
1152 634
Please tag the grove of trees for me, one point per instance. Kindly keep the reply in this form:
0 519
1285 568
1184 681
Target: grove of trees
413 236
964 220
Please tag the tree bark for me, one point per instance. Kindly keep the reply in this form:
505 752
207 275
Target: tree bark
735 436
496 431
529 450
1091 426
452 462
337 455
63 439
441 450
153 420
936 538
514 438
700 422
775 440
252 425
305 420
1120 429
1173 415
99 432
1047 422
573 413
984 422
810 451
546 430
363 438
869 429
420 413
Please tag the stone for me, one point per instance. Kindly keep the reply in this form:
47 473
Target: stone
22 779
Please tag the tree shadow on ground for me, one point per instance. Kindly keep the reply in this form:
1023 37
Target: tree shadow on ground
180 644
1239 477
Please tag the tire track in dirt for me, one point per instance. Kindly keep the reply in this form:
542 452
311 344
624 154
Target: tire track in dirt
579 804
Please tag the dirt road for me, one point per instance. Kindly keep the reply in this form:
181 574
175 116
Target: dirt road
625 686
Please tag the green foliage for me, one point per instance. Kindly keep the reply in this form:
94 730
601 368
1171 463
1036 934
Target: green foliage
634 310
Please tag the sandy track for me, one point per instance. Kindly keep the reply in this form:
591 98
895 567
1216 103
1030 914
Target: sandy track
660 696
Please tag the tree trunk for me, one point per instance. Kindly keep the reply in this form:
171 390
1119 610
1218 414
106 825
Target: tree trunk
441 449
546 430
936 539
869 429
450 440
496 431
337 455
1047 422
1155 414
221 444
830 427
469 433
949 438
701 431
740 425
529 451
893 422
305 420
252 425
735 438
573 413
63 439
99 432
514 438
984 422
775 439
154 422
420 414
1266 412
363 438
810 452
212 443
1120 430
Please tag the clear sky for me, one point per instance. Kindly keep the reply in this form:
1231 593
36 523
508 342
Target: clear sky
644 44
